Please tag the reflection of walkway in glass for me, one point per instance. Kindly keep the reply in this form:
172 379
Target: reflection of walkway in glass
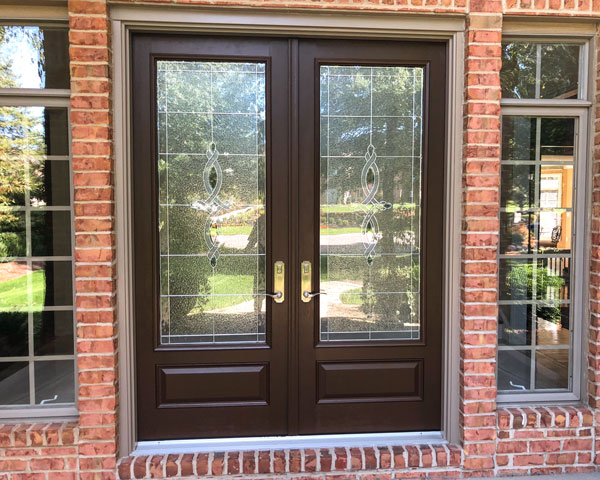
332 304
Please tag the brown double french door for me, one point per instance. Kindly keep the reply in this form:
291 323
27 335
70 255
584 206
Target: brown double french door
288 225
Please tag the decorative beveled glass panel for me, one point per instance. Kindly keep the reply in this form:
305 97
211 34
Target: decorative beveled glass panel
536 212
370 202
212 226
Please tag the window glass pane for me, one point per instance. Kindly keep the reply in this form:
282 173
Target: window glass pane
552 369
13 334
370 188
540 70
54 382
514 370
553 324
52 283
34 57
50 233
212 194
14 383
15 286
514 326
536 232
53 333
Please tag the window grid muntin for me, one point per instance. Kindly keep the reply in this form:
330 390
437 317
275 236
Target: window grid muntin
42 98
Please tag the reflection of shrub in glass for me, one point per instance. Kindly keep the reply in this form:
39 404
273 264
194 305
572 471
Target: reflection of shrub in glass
520 281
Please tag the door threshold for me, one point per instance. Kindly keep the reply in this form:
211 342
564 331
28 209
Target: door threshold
162 447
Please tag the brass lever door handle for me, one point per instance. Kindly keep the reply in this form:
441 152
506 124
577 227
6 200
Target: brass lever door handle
278 283
309 295
306 293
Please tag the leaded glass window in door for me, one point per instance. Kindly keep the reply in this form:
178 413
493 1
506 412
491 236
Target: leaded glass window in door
370 195
211 169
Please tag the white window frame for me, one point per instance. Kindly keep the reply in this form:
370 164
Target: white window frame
49 97
580 110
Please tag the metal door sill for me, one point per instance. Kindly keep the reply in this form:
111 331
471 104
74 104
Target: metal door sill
161 447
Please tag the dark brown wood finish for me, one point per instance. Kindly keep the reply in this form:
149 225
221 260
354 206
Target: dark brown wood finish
293 384
208 391
342 385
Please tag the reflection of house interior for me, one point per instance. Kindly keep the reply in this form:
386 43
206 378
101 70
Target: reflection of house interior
556 192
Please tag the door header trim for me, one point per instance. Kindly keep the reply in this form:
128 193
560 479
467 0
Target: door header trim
286 22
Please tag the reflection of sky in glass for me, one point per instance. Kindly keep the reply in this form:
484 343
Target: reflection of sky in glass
18 51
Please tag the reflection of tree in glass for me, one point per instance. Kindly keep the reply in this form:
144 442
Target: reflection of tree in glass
558 72
21 148
521 280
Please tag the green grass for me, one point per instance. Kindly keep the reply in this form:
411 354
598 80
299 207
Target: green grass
348 299
234 229
339 230
228 284
358 207
13 293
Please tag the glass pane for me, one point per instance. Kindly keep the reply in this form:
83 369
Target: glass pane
13 234
14 383
35 57
212 218
53 333
52 284
514 324
50 233
13 334
54 382
539 70
370 194
518 232
552 368
517 187
15 278
553 324
514 370
53 185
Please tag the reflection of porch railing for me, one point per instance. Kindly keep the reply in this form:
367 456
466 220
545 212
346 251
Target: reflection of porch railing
559 267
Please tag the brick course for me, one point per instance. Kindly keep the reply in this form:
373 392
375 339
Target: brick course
494 441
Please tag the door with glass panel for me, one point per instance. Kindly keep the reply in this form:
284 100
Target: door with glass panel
210 174
371 226
287 235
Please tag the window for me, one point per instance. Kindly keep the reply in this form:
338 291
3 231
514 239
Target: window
37 356
542 165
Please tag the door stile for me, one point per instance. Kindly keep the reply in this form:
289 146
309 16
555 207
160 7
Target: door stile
294 188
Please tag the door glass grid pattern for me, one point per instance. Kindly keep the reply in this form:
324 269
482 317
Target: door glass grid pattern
535 259
370 202
37 361
212 226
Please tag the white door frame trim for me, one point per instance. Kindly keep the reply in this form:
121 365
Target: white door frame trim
256 21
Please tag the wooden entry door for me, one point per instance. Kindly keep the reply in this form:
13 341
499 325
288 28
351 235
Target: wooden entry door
371 159
267 165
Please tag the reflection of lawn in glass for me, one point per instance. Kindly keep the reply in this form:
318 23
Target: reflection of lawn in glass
226 284
359 207
13 293
348 299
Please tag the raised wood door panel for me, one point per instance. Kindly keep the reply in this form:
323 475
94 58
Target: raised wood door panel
371 156
210 173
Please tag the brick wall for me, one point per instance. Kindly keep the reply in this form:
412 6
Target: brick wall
39 452
94 237
493 441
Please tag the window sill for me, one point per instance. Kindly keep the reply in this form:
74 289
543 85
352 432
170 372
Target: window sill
39 414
